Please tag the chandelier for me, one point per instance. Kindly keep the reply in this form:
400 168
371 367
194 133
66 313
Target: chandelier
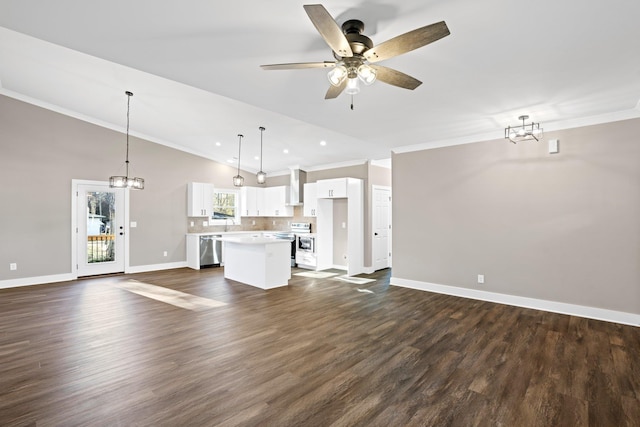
126 181
523 132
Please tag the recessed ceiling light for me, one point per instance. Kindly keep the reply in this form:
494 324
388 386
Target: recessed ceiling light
323 143
218 144
285 151
230 160
257 157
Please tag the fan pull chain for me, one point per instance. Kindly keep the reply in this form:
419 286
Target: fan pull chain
351 102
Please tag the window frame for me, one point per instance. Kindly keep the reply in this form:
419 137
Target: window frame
236 219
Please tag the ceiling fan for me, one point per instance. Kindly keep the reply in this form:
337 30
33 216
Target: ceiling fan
355 55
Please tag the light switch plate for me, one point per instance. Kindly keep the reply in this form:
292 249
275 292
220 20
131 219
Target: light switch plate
133 224
553 146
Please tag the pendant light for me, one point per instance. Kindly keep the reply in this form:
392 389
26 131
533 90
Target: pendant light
238 181
126 181
524 132
261 176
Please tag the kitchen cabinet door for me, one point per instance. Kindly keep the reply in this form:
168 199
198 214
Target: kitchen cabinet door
277 200
199 199
332 188
248 201
310 207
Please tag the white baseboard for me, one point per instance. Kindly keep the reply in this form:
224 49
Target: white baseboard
39 280
537 304
156 267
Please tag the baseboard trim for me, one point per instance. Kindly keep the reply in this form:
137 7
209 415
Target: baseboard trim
38 280
155 267
621 317
67 277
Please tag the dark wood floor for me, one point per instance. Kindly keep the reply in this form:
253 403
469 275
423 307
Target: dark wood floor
317 353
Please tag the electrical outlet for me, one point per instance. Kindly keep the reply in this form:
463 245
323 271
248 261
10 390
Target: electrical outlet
205 224
253 222
164 253
13 266
480 278
191 224
274 223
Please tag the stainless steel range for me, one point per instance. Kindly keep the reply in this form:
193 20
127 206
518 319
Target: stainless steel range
297 229
305 246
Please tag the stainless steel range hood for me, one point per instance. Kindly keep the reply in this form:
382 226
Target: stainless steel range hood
296 187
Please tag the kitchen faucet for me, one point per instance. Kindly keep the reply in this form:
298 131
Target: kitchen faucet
226 223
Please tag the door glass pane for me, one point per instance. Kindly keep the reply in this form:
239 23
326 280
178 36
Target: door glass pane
100 226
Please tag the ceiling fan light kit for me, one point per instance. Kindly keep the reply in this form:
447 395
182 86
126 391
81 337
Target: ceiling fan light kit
355 54
523 132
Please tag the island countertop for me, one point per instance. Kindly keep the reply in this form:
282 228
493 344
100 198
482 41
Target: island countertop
253 240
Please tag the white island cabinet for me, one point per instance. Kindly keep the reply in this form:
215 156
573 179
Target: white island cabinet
262 262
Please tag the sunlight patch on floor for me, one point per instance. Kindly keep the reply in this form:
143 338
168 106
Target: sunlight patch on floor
169 296
316 274
351 279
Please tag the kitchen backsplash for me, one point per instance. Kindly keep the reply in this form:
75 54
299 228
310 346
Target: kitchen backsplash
251 223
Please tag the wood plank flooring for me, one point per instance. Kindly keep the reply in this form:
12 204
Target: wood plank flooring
316 353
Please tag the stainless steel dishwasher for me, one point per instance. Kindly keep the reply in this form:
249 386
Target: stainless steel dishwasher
210 251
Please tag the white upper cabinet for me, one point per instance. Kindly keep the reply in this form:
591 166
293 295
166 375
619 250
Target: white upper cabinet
248 201
200 199
332 188
310 207
269 201
277 201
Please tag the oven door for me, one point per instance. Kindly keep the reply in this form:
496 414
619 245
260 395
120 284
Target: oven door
306 243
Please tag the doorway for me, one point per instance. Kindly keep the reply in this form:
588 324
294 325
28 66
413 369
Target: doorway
381 221
100 240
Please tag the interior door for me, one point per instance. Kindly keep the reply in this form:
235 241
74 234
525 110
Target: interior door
100 228
381 220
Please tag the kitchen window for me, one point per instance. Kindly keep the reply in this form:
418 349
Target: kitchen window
226 207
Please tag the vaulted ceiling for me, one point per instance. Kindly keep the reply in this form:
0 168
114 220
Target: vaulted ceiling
194 69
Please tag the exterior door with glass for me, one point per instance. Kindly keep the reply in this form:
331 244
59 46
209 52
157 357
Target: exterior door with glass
100 228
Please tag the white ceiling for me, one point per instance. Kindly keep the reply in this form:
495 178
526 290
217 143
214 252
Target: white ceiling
193 66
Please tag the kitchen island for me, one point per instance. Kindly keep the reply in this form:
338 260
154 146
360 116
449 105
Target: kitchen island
263 262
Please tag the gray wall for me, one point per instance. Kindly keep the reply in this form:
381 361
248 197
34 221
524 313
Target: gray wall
42 151
561 227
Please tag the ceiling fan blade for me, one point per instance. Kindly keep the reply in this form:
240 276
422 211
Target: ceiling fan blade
334 91
328 29
407 42
299 65
395 77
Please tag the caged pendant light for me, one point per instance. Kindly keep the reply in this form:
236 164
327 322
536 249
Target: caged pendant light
238 180
126 181
523 132
261 176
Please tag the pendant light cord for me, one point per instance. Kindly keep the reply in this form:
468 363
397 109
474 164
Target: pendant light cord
129 95
261 130
239 145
